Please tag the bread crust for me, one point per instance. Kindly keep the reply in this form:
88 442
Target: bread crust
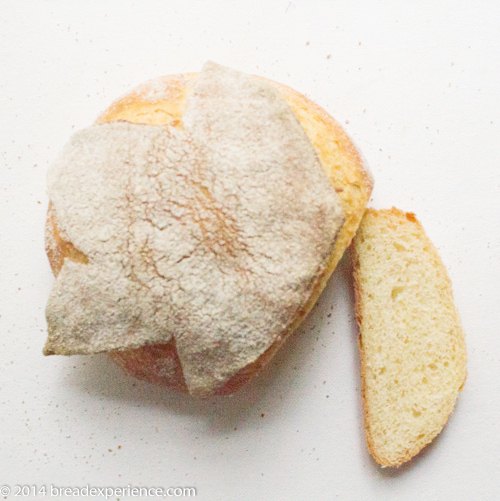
372 447
162 102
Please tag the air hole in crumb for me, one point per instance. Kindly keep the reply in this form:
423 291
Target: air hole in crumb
396 291
416 413
399 247
433 366
420 437
424 380
446 364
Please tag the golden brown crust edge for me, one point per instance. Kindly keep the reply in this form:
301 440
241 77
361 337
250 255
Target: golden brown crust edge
338 155
358 313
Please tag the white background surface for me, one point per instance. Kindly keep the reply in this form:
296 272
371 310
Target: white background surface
416 84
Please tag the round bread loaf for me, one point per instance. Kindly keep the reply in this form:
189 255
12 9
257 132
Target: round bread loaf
162 101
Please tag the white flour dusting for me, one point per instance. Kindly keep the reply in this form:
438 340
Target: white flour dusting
215 235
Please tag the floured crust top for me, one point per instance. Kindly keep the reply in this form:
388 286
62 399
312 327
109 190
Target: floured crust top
215 234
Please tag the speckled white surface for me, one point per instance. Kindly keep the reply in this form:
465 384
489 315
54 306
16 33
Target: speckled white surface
416 86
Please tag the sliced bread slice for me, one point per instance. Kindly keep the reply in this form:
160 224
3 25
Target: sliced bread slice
411 343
